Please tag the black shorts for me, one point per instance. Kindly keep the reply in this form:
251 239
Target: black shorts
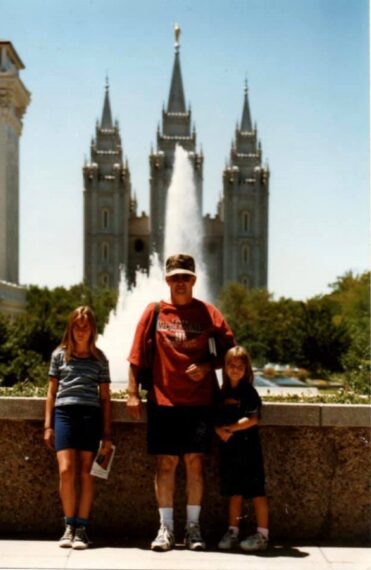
176 430
77 427
242 466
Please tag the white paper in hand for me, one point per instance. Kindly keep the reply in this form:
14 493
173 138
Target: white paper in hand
102 463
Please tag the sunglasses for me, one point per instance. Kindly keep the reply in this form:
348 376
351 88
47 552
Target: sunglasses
181 277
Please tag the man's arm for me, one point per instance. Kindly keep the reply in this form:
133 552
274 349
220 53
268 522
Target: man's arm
134 404
138 359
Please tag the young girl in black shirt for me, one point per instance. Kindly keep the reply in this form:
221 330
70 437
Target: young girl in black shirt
241 459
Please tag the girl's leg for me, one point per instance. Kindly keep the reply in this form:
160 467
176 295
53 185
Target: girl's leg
258 541
235 510
86 484
67 467
261 511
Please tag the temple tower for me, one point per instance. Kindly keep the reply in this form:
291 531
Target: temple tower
14 99
176 128
245 208
107 196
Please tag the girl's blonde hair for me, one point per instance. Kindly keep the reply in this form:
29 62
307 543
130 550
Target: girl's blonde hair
85 314
242 354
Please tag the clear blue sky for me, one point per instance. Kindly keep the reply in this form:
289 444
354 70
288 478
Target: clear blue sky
307 67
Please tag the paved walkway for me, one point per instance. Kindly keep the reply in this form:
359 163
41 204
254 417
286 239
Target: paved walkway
45 554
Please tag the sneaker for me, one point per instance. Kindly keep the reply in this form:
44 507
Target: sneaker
67 538
193 539
254 542
229 540
81 541
164 540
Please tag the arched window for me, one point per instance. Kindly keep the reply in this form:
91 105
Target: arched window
245 281
138 245
105 280
105 218
246 221
105 251
245 254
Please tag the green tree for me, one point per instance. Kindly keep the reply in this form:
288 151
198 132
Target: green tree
325 339
306 334
27 342
351 294
269 329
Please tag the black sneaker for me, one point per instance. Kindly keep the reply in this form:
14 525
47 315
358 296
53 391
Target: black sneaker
81 541
66 539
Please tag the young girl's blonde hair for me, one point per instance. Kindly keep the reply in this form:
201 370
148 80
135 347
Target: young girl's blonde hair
242 354
86 315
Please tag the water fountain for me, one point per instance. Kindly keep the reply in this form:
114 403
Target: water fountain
183 233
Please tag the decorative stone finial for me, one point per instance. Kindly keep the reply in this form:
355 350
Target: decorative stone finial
177 32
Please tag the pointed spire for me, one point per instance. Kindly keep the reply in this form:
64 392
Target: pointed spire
246 119
106 122
176 103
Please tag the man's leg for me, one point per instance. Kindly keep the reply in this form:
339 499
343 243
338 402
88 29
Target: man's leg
194 463
164 487
165 479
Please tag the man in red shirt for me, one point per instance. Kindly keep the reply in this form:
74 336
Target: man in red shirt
191 339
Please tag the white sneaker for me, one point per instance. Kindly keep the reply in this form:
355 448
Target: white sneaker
67 538
254 542
164 539
193 539
81 541
229 540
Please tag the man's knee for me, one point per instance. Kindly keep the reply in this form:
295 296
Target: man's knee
194 463
166 464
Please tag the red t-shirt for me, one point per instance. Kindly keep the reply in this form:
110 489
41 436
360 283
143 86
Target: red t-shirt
182 339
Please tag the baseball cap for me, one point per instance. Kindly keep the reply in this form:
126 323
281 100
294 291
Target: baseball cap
180 263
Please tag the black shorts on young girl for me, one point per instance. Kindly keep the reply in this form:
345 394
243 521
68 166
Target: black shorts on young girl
241 458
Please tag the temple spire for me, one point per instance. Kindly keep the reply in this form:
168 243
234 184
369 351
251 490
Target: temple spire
176 103
106 122
246 126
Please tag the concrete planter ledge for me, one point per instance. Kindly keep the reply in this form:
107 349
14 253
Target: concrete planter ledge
274 413
317 462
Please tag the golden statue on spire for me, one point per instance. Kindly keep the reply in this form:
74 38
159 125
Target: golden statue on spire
177 32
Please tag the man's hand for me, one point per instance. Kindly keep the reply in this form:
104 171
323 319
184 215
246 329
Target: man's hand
197 372
134 407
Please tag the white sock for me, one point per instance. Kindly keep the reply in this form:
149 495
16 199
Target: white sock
263 531
193 513
234 529
167 517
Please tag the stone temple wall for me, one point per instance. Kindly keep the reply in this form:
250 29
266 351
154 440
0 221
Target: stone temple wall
317 460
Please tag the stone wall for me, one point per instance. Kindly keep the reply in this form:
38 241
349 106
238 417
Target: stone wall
317 460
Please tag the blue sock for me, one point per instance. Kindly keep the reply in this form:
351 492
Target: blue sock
70 520
81 522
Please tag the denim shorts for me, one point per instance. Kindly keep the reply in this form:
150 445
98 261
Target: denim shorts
77 427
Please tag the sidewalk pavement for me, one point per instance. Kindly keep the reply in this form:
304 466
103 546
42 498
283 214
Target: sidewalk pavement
45 554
